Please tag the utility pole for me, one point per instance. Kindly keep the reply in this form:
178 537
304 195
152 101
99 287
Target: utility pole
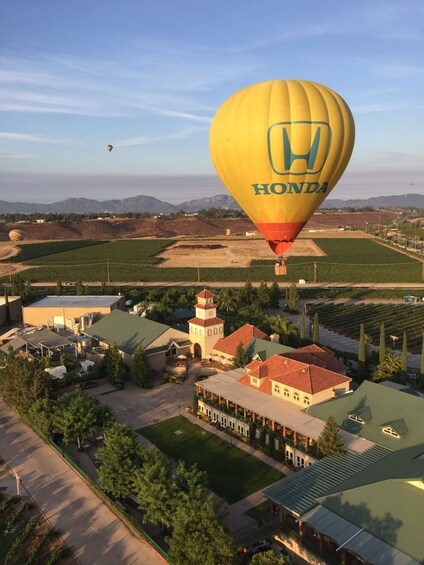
107 271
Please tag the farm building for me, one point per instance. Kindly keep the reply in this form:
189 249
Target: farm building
10 309
364 508
72 312
160 342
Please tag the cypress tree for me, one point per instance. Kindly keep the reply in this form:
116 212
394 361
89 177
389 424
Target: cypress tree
382 349
315 337
240 359
404 358
422 366
7 306
195 404
361 353
303 327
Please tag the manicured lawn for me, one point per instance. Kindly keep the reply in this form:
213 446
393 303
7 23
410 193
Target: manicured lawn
233 474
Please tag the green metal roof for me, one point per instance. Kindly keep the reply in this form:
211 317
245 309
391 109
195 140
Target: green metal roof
384 405
126 330
298 493
265 349
390 510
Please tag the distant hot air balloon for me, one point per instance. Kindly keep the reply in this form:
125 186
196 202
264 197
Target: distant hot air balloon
280 147
16 235
109 147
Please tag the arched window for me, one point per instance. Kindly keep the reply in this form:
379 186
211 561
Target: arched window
306 400
286 393
209 332
215 331
276 389
296 397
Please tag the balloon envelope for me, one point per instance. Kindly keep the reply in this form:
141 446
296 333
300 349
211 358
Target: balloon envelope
16 235
109 147
280 147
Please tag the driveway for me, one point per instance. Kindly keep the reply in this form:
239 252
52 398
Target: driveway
141 407
87 525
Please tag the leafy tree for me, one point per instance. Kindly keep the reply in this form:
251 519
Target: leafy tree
240 359
361 354
115 367
388 369
69 361
274 296
315 336
382 348
75 417
198 537
41 416
161 313
141 370
293 298
247 293
120 458
105 417
330 441
269 558
262 295
155 489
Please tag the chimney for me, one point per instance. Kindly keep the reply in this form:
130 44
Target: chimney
275 338
263 371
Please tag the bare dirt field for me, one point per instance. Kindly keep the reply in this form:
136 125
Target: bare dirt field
8 250
228 252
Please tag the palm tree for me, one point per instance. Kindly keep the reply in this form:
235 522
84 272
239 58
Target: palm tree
283 327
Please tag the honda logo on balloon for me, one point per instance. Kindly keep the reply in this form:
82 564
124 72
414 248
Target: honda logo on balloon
298 148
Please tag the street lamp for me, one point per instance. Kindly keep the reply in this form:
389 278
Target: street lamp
394 338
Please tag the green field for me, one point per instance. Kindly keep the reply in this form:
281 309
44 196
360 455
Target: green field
233 474
345 319
32 251
346 260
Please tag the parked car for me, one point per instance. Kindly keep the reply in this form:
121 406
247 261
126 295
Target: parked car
258 547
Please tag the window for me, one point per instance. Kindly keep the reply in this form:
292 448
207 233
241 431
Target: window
296 397
289 455
286 393
356 418
276 389
306 400
215 331
209 332
254 381
390 431
220 330
232 424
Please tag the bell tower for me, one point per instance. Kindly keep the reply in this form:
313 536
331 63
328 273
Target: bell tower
205 329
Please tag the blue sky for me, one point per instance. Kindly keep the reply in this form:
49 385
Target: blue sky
147 76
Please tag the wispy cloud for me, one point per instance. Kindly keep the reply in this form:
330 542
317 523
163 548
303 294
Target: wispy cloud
30 138
132 80
18 156
145 140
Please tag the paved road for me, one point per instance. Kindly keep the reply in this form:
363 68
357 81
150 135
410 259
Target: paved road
282 283
87 525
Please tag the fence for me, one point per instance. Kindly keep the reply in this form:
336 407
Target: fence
130 522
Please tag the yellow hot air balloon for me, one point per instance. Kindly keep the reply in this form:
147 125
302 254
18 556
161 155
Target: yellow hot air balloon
280 147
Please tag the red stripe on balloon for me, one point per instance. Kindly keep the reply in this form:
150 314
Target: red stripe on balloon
280 236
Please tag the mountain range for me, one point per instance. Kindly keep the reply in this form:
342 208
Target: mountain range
148 204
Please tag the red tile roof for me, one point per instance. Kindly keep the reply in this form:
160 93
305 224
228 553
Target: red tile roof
206 323
243 335
205 294
319 356
265 386
301 376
